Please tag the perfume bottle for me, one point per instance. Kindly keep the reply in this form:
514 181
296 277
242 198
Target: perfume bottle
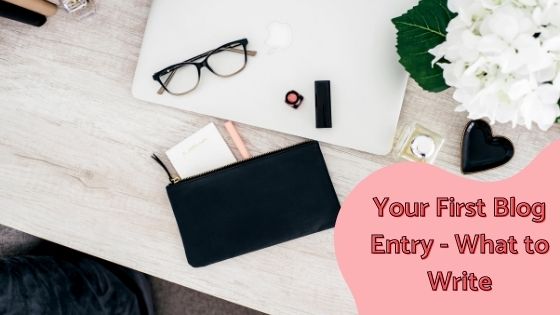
79 8
417 143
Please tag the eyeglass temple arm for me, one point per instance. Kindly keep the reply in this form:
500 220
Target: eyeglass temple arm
161 89
251 53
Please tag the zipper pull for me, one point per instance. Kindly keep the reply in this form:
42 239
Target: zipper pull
173 180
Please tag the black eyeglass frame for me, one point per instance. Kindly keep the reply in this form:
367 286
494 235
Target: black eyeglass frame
231 46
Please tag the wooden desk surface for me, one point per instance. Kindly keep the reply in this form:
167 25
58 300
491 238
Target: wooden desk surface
75 166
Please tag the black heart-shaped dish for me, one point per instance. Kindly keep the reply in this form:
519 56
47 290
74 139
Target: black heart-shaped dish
481 150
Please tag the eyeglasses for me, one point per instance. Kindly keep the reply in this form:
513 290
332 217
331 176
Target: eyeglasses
224 61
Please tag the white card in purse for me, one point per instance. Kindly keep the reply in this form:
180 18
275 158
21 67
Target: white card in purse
203 151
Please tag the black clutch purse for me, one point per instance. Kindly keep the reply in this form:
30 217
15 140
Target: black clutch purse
253 204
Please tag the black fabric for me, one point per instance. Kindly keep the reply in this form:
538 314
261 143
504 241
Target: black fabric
70 285
254 204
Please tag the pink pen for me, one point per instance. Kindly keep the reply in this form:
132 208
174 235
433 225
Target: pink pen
237 140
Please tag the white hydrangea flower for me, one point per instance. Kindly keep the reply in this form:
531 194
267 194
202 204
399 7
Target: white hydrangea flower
503 58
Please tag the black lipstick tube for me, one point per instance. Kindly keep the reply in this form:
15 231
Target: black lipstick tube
323 118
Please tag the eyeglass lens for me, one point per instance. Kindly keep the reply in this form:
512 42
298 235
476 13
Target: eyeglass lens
227 62
182 80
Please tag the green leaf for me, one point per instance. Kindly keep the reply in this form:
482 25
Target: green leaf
419 30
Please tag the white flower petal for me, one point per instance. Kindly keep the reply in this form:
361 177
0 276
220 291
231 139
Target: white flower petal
546 74
553 15
503 25
457 5
519 89
491 44
548 94
438 52
552 44
528 2
556 82
491 4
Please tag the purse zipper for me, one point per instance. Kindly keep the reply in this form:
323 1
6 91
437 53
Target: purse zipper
172 179
177 180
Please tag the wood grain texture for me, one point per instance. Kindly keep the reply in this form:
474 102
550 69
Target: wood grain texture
75 166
